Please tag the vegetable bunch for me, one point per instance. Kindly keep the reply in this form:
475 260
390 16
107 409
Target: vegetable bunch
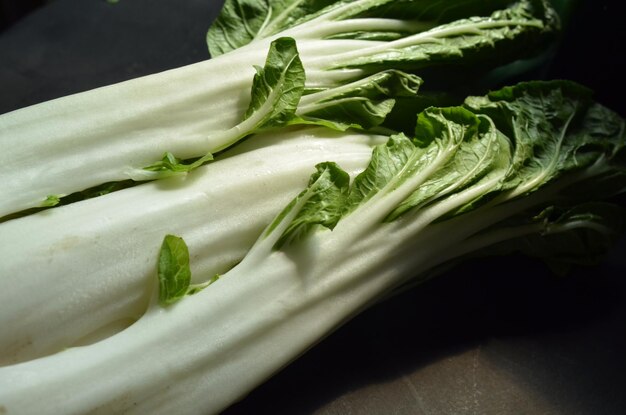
239 259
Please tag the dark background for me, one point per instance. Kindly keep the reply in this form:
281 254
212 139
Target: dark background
13 10
497 336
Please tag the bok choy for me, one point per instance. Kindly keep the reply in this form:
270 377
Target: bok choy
172 122
287 198
219 209
503 168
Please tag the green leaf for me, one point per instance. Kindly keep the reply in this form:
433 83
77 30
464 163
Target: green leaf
322 203
364 103
482 153
243 21
388 161
562 236
277 87
51 200
238 24
555 128
486 158
174 272
403 117
515 32
353 112
439 133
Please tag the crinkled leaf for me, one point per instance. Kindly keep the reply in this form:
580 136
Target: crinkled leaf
389 160
243 21
515 32
237 25
322 203
439 132
403 117
278 86
349 112
364 103
555 129
482 153
578 235
461 161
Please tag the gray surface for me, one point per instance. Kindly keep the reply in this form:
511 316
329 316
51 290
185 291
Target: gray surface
499 336
483 339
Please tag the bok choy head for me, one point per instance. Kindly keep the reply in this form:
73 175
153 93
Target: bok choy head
536 161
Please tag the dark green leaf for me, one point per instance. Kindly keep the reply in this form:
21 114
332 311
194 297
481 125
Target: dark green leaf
364 103
277 87
578 235
388 161
243 21
322 203
482 153
555 129
508 34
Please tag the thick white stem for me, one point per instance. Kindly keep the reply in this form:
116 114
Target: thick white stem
210 349
76 142
96 258
204 353
80 141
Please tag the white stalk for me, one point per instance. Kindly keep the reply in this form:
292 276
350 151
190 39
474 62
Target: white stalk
246 326
200 355
242 329
82 140
96 258
108 134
